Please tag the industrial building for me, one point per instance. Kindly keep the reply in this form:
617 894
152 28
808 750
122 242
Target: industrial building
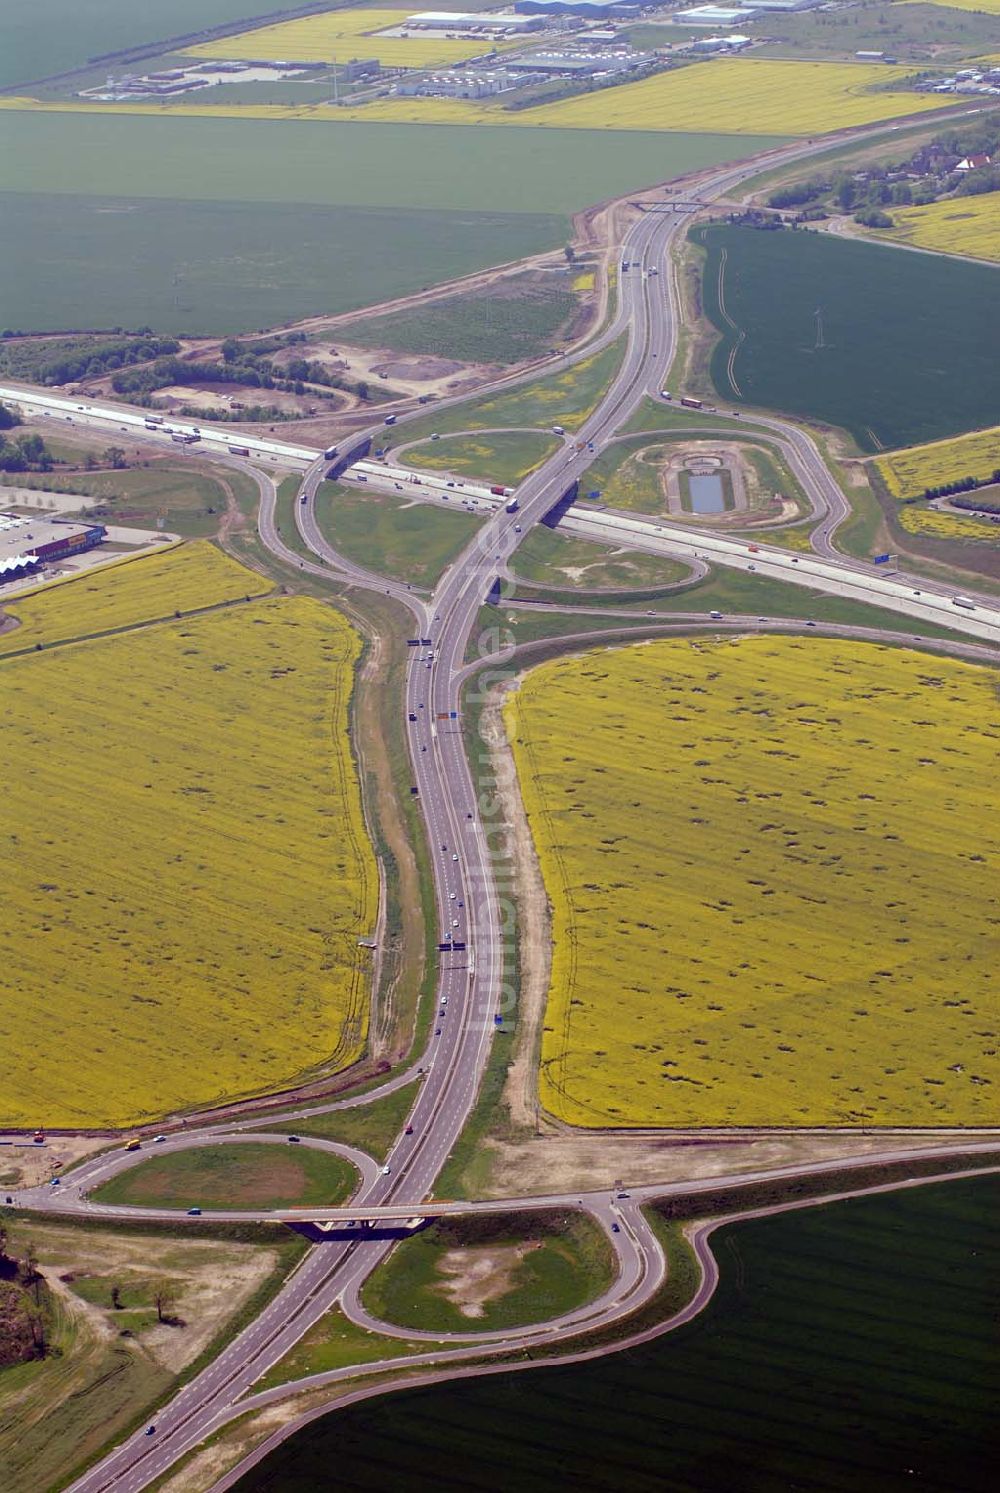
468 83
733 43
584 64
588 10
715 15
785 7
26 544
448 20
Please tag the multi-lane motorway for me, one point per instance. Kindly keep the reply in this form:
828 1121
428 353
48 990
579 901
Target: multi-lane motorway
466 836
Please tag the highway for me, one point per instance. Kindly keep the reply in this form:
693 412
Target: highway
474 917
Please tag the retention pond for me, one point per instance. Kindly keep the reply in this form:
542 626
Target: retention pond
707 493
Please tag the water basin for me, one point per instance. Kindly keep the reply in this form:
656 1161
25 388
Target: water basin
707 493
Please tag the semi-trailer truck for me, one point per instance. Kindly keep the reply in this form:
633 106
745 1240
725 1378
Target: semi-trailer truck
238 450
964 601
330 453
511 504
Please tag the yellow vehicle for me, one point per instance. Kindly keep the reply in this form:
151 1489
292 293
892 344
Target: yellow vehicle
133 1145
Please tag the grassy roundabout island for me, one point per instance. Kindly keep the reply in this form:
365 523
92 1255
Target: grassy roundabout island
250 1176
474 1274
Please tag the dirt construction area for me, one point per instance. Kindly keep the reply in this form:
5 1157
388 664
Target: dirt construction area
476 1275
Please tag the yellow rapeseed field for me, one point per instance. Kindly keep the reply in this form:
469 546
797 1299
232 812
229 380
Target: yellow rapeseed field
743 96
908 473
734 96
187 872
988 7
341 35
931 524
962 225
773 868
142 589
583 281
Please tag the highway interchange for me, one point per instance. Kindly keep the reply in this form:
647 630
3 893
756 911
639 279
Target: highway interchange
470 906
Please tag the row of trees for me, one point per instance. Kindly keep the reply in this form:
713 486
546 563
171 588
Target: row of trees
962 484
66 360
250 373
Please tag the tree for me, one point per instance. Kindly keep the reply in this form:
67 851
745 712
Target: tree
29 1271
114 456
116 1298
36 1324
164 1299
570 253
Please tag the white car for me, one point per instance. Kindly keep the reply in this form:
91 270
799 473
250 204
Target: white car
385 1171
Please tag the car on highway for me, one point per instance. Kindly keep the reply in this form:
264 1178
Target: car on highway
386 1170
454 855
150 1431
616 1228
194 1212
158 1140
408 1130
751 567
437 1031
294 1138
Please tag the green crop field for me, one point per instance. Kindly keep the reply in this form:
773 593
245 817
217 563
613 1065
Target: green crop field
439 168
509 322
224 225
848 1349
41 37
395 536
841 332
225 267
247 1176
